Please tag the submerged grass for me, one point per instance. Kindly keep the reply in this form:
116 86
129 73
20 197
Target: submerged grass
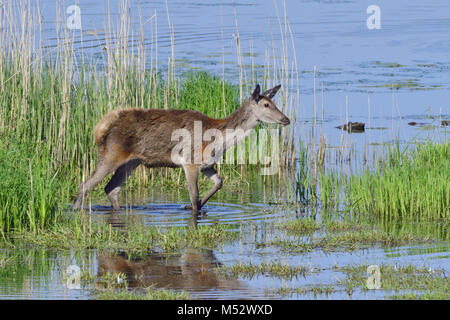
315 290
408 281
146 294
273 269
308 225
335 235
114 286
399 282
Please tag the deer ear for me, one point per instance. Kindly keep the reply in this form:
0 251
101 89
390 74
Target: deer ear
256 95
272 92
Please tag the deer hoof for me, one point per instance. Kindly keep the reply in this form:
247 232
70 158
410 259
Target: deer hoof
189 207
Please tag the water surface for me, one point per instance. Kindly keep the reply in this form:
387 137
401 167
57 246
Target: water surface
41 273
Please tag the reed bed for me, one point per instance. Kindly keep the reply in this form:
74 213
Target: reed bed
29 192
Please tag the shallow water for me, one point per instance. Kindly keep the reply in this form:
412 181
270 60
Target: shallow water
170 214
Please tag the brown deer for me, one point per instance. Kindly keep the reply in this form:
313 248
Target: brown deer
127 138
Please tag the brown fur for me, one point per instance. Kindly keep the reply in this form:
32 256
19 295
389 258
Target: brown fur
146 133
129 137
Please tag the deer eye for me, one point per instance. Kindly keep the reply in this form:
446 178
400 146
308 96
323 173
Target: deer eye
266 105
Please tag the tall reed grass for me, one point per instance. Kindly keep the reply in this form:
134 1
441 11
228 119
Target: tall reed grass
29 191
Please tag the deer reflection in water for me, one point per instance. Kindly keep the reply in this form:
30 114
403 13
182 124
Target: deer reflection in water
190 269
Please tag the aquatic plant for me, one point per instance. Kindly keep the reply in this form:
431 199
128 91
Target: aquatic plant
409 184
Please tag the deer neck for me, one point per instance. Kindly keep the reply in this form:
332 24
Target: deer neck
238 125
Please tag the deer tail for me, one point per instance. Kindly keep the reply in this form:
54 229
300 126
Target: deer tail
102 127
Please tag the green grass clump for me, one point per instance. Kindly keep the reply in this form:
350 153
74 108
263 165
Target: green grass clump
359 238
409 185
147 294
389 64
428 295
5 260
409 281
29 188
300 226
85 235
315 290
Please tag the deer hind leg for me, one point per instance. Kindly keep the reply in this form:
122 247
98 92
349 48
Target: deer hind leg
107 163
122 173
212 174
191 172
104 167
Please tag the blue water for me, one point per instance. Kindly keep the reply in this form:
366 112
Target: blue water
331 35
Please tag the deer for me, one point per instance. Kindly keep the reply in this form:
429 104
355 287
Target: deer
129 137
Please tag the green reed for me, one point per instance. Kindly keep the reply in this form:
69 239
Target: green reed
29 191
410 184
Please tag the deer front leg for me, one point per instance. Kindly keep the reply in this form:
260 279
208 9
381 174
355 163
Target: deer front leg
191 172
211 173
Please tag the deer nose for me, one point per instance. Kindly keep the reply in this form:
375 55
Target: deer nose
285 121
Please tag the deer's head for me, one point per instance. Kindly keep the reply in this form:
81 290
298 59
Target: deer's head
265 109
